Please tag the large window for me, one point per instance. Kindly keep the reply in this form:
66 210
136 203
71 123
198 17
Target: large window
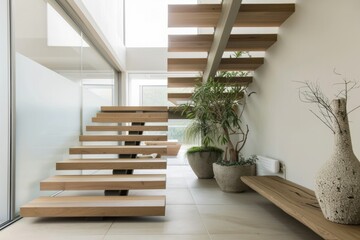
147 89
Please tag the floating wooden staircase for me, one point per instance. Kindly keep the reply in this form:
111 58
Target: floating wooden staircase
208 15
115 185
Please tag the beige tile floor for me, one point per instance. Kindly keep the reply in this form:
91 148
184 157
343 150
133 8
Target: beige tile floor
196 210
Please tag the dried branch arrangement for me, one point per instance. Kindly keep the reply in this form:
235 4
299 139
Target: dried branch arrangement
311 93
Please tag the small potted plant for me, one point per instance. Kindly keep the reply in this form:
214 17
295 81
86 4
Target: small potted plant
201 158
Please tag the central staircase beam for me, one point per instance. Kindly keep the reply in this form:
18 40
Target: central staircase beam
230 10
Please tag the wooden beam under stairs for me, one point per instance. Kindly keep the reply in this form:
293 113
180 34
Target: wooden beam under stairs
104 182
130 138
95 206
123 163
118 150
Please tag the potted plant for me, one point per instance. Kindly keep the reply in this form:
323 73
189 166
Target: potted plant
201 158
224 109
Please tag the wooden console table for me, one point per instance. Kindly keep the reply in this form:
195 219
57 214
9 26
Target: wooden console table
301 203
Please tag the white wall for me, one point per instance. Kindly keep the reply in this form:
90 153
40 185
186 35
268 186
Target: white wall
146 59
108 16
4 109
320 36
47 123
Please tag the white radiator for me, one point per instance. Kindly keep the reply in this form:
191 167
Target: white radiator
267 166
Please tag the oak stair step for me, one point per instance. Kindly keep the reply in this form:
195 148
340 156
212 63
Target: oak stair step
236 42
184 82
127 128
175 97
130 138
95 206
127 119
162 150
250 15
123 163
181 97
104 182
145 115
133 109
229 64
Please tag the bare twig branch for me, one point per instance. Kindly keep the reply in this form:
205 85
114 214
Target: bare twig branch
245 138
353 110
311 93
334 71
329 126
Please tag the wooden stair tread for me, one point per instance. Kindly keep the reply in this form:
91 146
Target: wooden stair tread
117 150
104 182
88 164
133 109
128 119
126 128
95 206
176 97
198 64
184 82
300 203
250 15
236 42
130 138
133 115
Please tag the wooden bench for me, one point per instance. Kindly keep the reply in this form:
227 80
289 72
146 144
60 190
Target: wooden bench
301 203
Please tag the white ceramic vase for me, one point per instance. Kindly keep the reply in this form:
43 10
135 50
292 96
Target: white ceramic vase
338 181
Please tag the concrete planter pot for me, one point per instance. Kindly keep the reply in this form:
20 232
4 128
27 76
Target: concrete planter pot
338 181
228 177
202 163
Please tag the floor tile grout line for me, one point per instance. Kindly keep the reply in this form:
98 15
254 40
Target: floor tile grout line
197 208
108 229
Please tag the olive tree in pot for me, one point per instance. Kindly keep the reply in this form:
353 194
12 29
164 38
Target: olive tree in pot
201 158
224 108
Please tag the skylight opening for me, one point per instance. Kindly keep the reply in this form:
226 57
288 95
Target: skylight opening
146 23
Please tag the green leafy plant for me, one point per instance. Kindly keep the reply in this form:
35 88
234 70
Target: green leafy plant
216 110
242 161
200 127
223 107
232 74
204 149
